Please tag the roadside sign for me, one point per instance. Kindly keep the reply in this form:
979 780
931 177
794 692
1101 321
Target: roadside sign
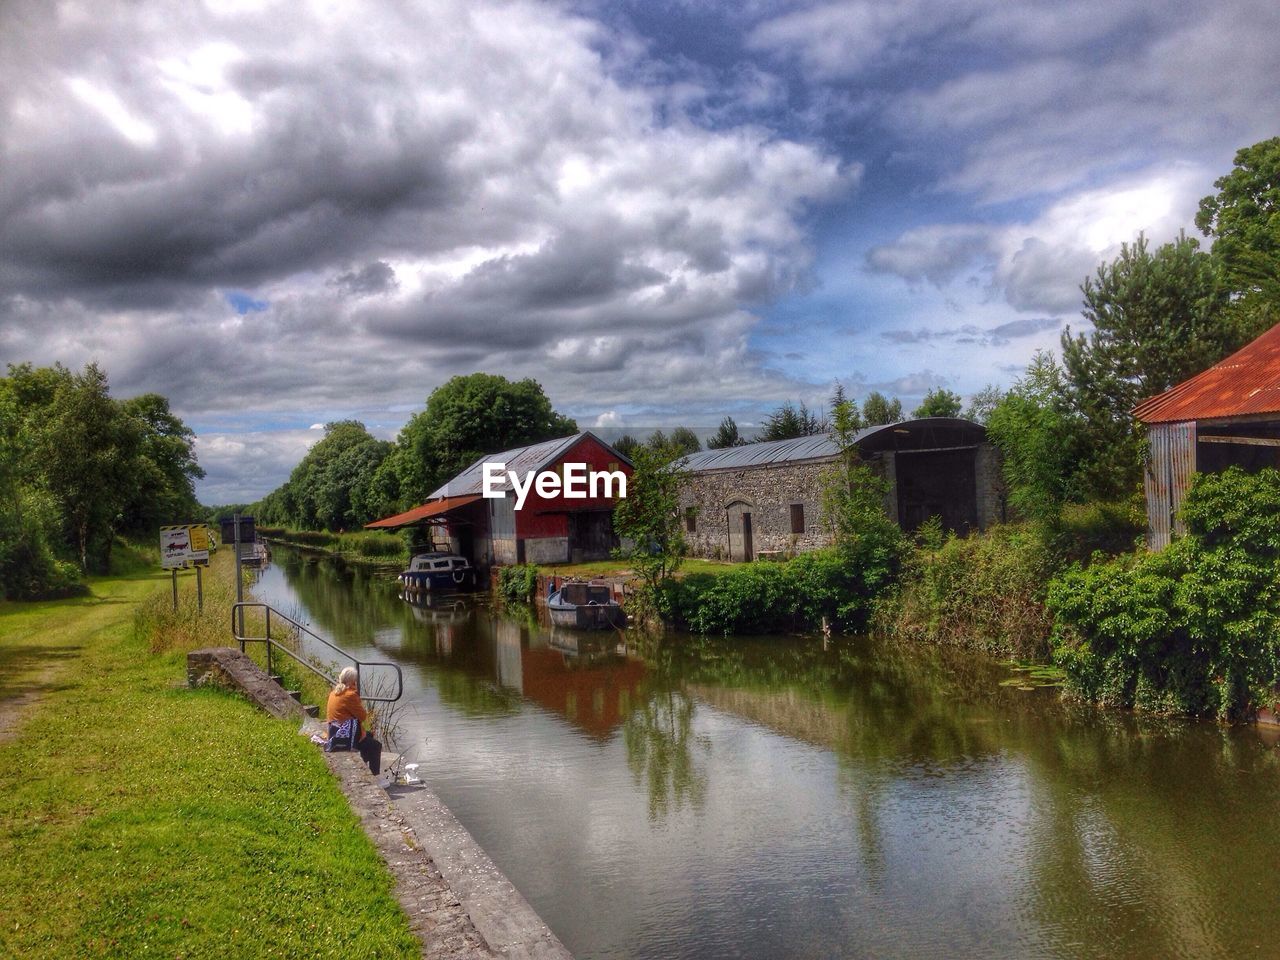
247 532
199 542
175 546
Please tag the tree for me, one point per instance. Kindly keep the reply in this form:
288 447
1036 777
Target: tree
726 436
1243 218
939 402
983 402
466 418
684 441
877 410
647 519
789 422
1156 320
1037 436
334 487
163 488
626 445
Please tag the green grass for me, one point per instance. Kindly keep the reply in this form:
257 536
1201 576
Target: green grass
360 546
141 818
618 568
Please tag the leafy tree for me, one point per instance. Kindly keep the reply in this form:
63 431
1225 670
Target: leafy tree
878 410
684 441
982 403
466 418
658 440
726 436
1243 218
939 402
626 445
1156 320
163 490
333 486
789 422
1035 432
648 518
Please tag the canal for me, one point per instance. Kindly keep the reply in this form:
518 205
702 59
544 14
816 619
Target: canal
769 798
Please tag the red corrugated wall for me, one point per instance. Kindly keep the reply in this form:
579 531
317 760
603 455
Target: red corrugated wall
542 517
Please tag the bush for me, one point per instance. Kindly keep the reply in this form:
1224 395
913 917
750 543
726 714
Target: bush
769 597
29 570
984 592
1193 629
1111 528
517 583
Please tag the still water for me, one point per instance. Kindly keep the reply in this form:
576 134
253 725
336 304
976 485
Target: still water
771 798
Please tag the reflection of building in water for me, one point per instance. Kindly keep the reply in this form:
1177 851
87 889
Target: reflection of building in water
593 687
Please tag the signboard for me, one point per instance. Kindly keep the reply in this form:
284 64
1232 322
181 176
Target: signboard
184 543
175 546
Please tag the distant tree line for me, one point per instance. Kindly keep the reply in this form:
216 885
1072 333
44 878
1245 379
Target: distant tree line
79 468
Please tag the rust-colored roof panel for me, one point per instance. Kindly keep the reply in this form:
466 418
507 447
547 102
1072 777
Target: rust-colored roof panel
433 509
1247 382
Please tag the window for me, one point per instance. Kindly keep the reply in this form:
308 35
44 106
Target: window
797 518
691 519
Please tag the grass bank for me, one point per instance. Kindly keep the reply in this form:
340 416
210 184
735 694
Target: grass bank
365 546
142 818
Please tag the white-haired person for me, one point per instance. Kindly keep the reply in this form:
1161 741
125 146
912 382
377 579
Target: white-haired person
347 717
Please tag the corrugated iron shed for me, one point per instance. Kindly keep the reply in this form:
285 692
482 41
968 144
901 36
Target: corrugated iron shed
537 456
1245 383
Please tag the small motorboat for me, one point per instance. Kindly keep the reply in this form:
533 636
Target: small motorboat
585 606
439 571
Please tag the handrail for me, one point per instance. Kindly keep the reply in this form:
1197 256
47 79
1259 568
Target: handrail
269 611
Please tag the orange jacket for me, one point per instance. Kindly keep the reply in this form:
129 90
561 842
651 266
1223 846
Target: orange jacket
344 706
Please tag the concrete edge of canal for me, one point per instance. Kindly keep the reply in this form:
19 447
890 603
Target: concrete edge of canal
459 904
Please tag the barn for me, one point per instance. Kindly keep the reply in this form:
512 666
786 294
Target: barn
1227 415
765 499
492 532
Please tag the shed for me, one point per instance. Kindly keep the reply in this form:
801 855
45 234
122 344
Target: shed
490 531
1227 415
766 498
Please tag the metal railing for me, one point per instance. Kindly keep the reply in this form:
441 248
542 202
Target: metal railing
270 614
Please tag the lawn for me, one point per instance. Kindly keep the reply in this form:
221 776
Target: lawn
619 568
141 818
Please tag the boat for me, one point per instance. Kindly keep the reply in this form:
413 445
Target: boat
439 571
585 606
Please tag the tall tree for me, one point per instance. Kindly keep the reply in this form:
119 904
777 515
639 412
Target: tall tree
726 436
684 441
878 410
982 403
1156 318
626 445
648 518
790 421
163 490
939 402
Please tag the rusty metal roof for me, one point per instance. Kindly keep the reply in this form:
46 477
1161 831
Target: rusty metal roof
436 508
1247 382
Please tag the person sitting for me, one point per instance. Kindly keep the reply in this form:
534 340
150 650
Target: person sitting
347 716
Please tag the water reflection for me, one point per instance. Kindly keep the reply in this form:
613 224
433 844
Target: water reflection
772 798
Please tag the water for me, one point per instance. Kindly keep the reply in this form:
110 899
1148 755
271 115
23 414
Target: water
767 798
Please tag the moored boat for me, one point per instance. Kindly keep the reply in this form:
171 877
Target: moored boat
439 571
585 606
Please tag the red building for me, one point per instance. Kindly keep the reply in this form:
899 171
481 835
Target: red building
545 529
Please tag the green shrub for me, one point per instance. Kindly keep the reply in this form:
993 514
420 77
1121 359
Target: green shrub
984 592
770 597
1194 629
1111 528
517 583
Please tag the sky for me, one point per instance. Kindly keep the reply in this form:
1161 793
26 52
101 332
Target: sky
665 211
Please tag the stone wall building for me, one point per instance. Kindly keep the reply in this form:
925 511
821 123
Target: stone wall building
766 498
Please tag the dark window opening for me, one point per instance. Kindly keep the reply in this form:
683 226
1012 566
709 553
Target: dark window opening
691 519
797 518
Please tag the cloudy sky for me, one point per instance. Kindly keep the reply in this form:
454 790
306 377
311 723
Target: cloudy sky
666 211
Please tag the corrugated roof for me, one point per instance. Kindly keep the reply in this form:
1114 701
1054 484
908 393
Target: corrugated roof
925 431
433 509
521 459
1247 382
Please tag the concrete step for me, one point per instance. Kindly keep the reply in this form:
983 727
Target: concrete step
276 678
311 710
296 694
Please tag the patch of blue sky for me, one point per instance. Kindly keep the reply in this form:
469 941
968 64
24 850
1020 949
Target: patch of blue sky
243 303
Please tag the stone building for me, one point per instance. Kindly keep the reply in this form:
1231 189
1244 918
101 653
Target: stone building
766 498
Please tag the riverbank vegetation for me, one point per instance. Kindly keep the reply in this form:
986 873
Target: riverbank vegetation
364 545
187 822
78 470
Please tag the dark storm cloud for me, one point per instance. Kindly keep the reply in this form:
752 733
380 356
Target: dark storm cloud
408 191
998 335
